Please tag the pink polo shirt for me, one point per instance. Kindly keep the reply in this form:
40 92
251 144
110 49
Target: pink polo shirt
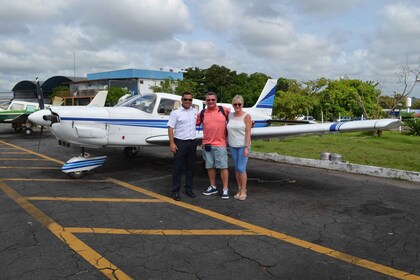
214 127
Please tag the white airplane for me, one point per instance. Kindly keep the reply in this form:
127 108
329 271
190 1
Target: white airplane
142 121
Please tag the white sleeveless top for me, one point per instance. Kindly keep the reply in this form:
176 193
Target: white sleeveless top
236 130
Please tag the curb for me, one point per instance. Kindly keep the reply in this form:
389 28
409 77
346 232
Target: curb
341 166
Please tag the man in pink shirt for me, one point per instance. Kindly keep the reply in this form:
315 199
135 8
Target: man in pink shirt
213 119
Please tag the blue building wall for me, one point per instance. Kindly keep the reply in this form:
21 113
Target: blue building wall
135 74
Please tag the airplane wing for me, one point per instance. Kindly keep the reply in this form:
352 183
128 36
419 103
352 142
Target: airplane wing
18 119
302 129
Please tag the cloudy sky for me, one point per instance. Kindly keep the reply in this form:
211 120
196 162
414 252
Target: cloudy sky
297 39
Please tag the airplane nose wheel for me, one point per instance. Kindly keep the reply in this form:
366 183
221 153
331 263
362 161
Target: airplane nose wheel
27 131
76 174
131 152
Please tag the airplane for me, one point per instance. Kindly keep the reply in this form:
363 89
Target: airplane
142 121
16 112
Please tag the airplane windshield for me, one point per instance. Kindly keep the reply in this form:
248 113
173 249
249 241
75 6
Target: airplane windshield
5 104
145 103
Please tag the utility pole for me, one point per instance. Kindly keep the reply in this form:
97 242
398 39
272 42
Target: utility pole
74 65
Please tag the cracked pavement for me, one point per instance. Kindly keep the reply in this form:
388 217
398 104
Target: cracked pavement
297 223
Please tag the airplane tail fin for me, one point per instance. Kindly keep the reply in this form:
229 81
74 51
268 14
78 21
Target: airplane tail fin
263 108
99 99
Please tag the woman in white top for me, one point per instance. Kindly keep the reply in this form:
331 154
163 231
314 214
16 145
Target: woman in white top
239 139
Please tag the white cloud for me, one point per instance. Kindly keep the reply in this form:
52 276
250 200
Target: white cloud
302 39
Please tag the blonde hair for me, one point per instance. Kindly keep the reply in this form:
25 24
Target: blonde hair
239 98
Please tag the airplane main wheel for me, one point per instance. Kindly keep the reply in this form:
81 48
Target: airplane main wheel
27 131
130 152
76 174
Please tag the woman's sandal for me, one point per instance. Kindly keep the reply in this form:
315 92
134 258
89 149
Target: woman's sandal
242 197
236 196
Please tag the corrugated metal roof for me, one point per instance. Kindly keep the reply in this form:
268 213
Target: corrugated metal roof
135 73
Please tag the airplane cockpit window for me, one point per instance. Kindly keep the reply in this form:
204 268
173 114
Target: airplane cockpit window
166 106
5 104
145 103
31 108
17 106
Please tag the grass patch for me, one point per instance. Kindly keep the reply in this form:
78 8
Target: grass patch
392 150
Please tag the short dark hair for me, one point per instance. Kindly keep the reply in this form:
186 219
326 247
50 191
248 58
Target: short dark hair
211 93
187 93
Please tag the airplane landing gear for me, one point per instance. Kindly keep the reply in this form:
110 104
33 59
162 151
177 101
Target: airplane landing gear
131 152
76 174
77 167
27 131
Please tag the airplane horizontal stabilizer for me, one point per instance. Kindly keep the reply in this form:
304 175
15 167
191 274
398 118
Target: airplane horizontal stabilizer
323 128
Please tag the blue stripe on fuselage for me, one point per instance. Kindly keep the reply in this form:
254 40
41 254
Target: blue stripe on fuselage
335 126
141 123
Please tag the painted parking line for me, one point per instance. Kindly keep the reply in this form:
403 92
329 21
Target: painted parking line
23 159
29 167
247 226
79 181
31 152
281 236
93 199
161 231
94 258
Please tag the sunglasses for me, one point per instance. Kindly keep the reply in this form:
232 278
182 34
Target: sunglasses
187 99
210 100
237 104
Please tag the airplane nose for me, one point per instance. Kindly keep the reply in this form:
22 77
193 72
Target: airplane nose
39 117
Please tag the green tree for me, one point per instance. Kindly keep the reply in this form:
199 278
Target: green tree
416 104
220 80
294 99
187 85
387 102
168 86
114 93
60 91
351 98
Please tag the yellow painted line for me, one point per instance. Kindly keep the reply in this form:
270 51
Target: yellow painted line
161 231
90 255
281 236
79 181
93 199
23 159
28 167
32 152
263 231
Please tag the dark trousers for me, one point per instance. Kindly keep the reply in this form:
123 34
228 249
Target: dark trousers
184 156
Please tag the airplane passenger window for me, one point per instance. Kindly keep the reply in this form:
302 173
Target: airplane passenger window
165 107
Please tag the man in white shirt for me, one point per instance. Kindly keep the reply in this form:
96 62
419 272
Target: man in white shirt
182 134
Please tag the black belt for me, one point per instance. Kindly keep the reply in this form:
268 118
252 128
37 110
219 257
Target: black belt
184 140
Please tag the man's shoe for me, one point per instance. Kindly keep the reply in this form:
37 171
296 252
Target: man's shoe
210 190
176 196
190 194
225 194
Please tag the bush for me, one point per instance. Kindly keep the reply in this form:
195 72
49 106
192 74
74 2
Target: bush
413 126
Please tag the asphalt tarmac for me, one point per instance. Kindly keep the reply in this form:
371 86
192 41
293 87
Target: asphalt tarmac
120 222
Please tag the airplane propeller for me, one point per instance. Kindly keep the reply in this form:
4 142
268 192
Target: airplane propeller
39 95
